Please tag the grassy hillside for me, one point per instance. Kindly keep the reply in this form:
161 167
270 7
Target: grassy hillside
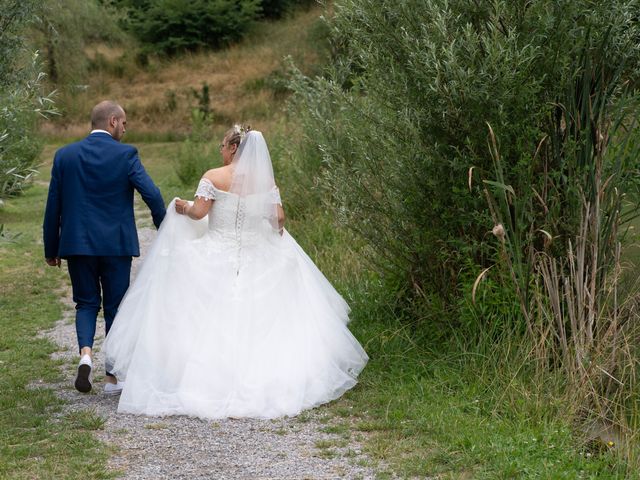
245 81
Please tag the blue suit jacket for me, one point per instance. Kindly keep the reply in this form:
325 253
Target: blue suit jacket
90 204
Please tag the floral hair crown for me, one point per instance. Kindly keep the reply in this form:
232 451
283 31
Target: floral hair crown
241 130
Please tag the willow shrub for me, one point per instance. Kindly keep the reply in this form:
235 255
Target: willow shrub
402 114
20 99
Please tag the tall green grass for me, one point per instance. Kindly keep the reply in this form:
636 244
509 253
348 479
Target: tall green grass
581 318
473 407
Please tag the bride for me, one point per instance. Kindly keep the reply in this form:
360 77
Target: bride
228 317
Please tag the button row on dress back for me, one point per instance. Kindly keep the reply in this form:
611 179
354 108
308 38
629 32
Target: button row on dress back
239 224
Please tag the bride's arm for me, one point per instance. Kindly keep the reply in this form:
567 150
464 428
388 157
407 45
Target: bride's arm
198 210
275 192
280 219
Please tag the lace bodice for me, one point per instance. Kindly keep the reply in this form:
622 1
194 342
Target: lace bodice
227 215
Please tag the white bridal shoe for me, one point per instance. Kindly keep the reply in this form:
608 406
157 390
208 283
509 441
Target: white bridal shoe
113 388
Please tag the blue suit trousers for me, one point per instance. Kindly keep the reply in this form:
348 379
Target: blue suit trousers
97 281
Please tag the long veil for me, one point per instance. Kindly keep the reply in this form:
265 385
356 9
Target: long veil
254 183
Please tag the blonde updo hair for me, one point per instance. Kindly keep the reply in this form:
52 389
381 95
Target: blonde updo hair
235 134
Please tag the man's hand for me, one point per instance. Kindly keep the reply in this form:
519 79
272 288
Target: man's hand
53 262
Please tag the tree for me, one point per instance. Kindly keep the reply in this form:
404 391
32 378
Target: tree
174 26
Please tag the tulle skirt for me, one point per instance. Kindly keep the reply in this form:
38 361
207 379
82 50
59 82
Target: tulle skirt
213 331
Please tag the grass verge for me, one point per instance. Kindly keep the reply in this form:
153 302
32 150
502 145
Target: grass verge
37 439
458 410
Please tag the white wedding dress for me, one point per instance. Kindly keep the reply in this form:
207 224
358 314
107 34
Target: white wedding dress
228 318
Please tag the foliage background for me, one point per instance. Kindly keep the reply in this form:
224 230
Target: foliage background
390 108
174 26
421 81
22 99
493 141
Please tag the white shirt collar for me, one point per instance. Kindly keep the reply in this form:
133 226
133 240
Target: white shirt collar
98 130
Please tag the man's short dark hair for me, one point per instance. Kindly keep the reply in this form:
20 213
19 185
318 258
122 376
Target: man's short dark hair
103 111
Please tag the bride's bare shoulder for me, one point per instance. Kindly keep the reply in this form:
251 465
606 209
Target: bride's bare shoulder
215 173
220 177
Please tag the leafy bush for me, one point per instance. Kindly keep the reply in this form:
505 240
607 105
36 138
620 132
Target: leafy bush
401 117
20 99
439 120
173 26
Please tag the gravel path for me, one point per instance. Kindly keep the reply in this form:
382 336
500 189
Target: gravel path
183 447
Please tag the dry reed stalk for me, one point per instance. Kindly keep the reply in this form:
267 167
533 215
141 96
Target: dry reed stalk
509 247
586 323
551 280
595 330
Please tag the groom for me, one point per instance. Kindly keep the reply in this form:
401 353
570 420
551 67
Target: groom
89 221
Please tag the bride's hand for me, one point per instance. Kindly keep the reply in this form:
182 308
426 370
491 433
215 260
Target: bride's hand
181 206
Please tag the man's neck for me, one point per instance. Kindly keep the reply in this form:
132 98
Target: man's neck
99 130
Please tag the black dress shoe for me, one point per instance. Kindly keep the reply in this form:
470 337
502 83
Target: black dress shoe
82 383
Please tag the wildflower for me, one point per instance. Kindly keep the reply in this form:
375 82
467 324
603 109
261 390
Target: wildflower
498 231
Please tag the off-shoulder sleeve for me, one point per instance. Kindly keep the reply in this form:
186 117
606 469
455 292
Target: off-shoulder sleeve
205 190
275 196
